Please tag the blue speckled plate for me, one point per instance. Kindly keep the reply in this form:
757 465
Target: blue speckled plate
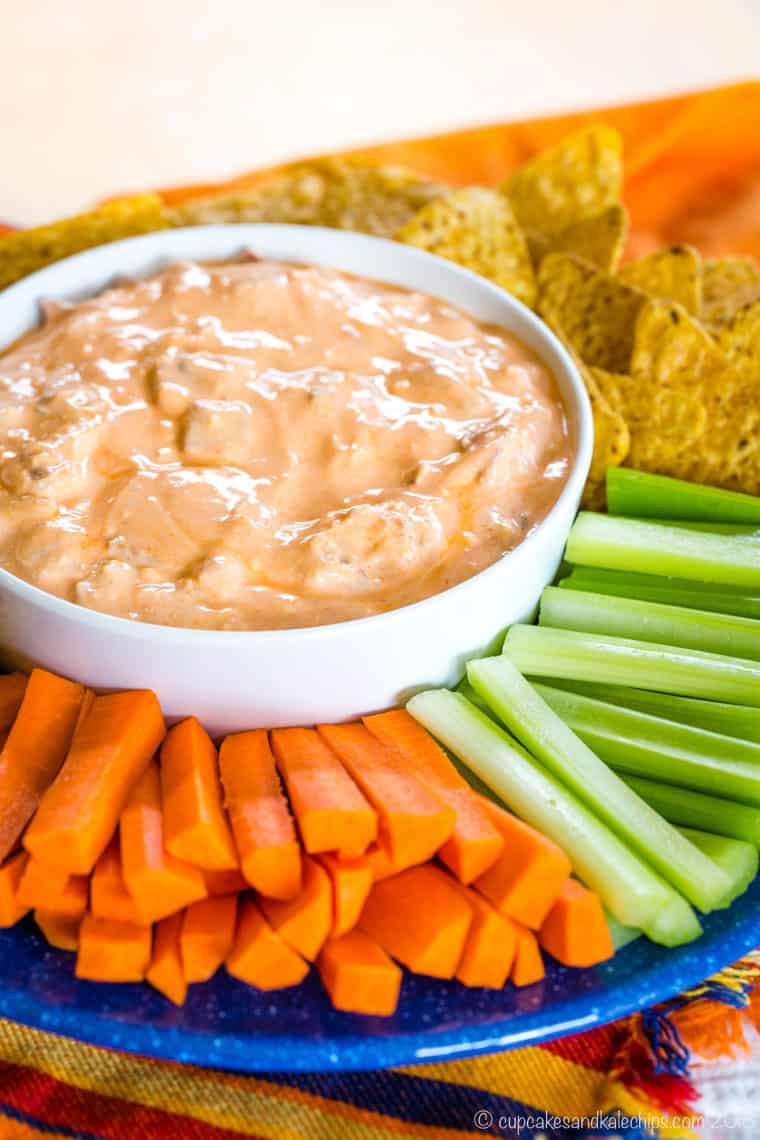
228 1025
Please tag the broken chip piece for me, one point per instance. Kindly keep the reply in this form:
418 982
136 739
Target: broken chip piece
476 228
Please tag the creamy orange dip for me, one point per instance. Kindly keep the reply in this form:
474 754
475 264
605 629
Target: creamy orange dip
255 446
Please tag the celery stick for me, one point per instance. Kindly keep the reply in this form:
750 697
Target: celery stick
671 591
740 721
621 935
739 530
648 746
696 809
631 890
651 621
738 860
658 496
465 688
543 652
625 544
543 733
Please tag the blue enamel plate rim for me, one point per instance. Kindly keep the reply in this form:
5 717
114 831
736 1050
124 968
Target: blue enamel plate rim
728 936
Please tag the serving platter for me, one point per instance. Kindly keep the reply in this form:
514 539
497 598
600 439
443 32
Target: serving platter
228 1025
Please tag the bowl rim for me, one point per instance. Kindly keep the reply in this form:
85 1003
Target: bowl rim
152 242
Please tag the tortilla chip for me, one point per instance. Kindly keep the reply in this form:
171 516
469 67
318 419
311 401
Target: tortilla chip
596 312
578 178
26 251
673 274
740 340
343 194
729 283
476 228
598 239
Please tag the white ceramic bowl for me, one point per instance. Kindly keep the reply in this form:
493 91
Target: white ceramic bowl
235 680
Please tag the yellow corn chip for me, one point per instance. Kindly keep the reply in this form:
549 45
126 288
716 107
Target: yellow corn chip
344 194
729 283
674 274
598 239
579 177
476 229
28 250
740 340
596 312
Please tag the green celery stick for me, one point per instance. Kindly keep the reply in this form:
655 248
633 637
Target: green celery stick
465 688
696 809
644 745
671 591
542 652
738 860
631 890
658 496
621 935
547 737
627 544
650 621
739 530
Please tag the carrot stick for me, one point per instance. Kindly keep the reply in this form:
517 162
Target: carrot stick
304 922
528 876
208 932
165 971
352 881
34 751
414 821
575 931
109 897
380 860
112 951
475 843
329 808
259 956
84 708
265 835
12 687
420 918
490 947
224 883
11 874
528 965
158 882
41 885
110 751
58 930
195 826
359 976
67 900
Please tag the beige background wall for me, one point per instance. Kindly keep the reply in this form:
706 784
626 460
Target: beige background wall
98 96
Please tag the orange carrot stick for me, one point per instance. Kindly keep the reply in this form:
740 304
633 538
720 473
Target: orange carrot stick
58 930
34 751
265 835
528 876
11 874
490 947
41 885
304 922
195 826
421 918
165 972
112 951
208 932
69 901
575 931
111 749
528 965
109 897
84 708
224 883
475 843
12 687
352 881
158 882
259 956
329 808
359 976
414 821
380 860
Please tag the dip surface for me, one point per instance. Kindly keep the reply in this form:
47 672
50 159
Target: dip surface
258 446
